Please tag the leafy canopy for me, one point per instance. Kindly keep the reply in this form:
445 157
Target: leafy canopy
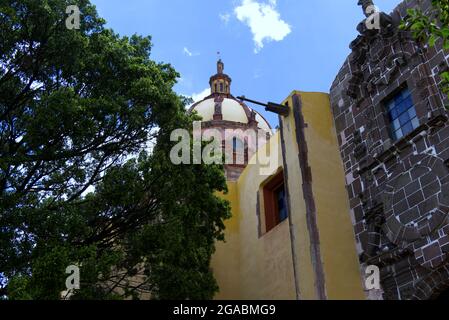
431 27
78 109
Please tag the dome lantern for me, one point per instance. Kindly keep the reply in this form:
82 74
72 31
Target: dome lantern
220 83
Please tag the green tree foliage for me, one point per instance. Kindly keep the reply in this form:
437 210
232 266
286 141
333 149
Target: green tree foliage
78 109
431 27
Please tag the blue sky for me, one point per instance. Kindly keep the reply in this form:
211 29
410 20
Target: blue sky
269 47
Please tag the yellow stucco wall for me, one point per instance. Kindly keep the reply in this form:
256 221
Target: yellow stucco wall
226 260
253 266
266 261
247 266
337 241
300 232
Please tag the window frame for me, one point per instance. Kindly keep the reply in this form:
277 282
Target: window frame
399 120
270 197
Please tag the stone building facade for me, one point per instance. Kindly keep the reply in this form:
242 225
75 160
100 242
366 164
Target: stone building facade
393 131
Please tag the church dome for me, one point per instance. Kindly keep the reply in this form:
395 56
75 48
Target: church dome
232 110
220 105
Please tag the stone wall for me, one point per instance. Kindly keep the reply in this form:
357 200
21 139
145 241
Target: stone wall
398 189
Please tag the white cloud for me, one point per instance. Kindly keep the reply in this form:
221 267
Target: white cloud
201 95
225 17
264 21
197 97
189 53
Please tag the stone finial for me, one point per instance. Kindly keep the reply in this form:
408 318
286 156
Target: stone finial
220 66
365 5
